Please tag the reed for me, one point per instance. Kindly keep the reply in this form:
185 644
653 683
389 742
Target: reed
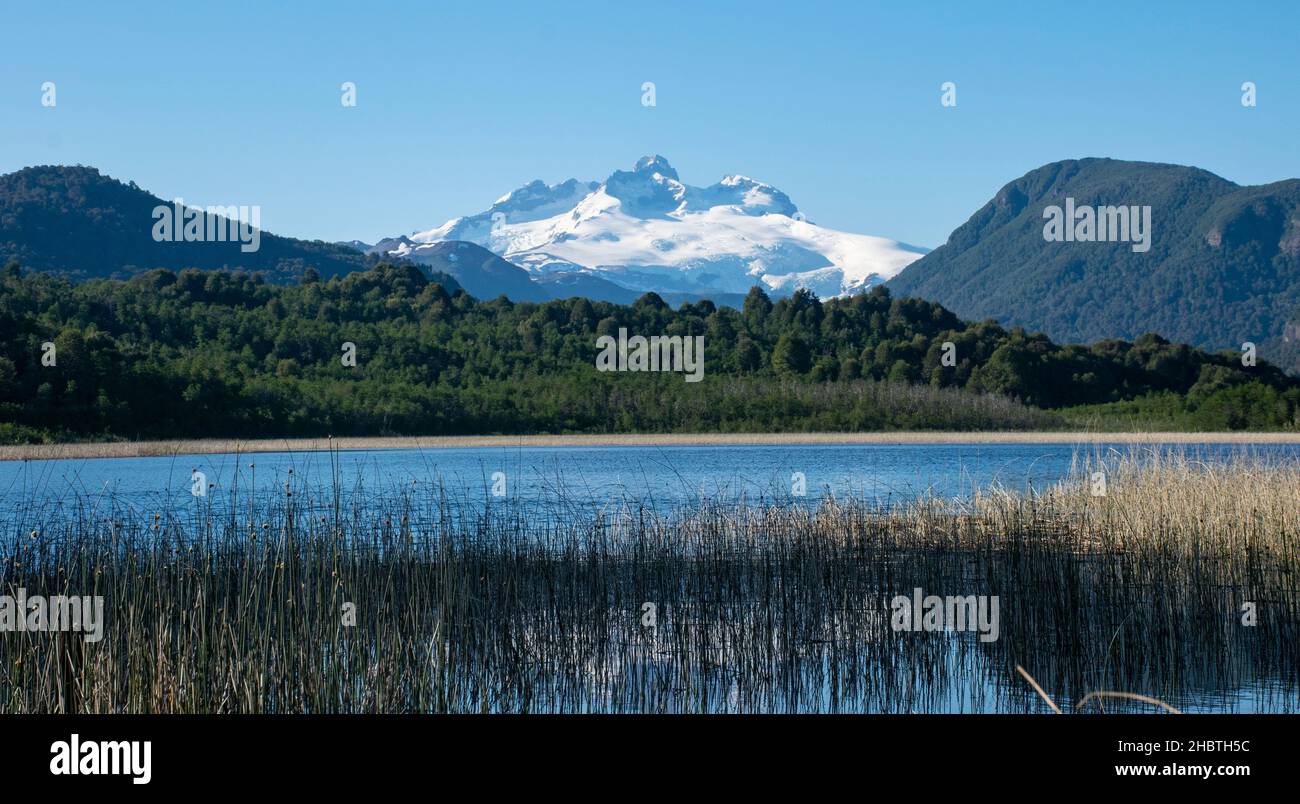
238 605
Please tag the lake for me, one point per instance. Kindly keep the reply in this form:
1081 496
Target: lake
716 647
538 479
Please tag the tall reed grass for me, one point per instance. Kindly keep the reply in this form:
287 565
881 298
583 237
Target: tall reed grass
757 607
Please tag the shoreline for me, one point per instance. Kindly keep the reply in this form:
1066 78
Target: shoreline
208 446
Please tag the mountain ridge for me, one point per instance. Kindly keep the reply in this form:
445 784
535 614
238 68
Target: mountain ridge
646 230
79 222
1223 267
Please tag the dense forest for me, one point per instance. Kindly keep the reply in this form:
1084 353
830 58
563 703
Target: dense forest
217 353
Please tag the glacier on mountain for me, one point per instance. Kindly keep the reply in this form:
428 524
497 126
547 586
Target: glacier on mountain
646 230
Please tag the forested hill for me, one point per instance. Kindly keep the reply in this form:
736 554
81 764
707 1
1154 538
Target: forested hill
223 353
75 221
1222 267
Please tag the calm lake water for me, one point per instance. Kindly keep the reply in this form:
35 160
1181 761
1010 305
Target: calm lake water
554 482
540 479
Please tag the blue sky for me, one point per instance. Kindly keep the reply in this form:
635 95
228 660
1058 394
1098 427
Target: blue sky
837 104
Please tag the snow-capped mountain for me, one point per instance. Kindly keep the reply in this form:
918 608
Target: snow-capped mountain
645 230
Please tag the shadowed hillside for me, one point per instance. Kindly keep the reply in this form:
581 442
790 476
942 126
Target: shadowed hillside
1223 267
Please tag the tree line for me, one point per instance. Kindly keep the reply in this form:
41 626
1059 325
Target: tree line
200 353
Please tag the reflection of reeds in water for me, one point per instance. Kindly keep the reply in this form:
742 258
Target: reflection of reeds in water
770 609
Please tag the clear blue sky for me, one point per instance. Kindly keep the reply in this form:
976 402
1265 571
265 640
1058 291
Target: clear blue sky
837 104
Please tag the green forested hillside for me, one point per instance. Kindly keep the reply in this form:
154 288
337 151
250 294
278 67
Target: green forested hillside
200 353
1223 267
75 221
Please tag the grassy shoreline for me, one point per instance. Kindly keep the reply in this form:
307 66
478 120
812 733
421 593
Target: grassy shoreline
136 449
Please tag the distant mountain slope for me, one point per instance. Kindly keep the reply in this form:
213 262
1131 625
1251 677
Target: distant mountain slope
645 230
592 285
486 276
77 222
483 274
1223 267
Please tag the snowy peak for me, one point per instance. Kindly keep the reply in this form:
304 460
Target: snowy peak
655 164
746 195
531 202
653 187
650 188
646 230
539 199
